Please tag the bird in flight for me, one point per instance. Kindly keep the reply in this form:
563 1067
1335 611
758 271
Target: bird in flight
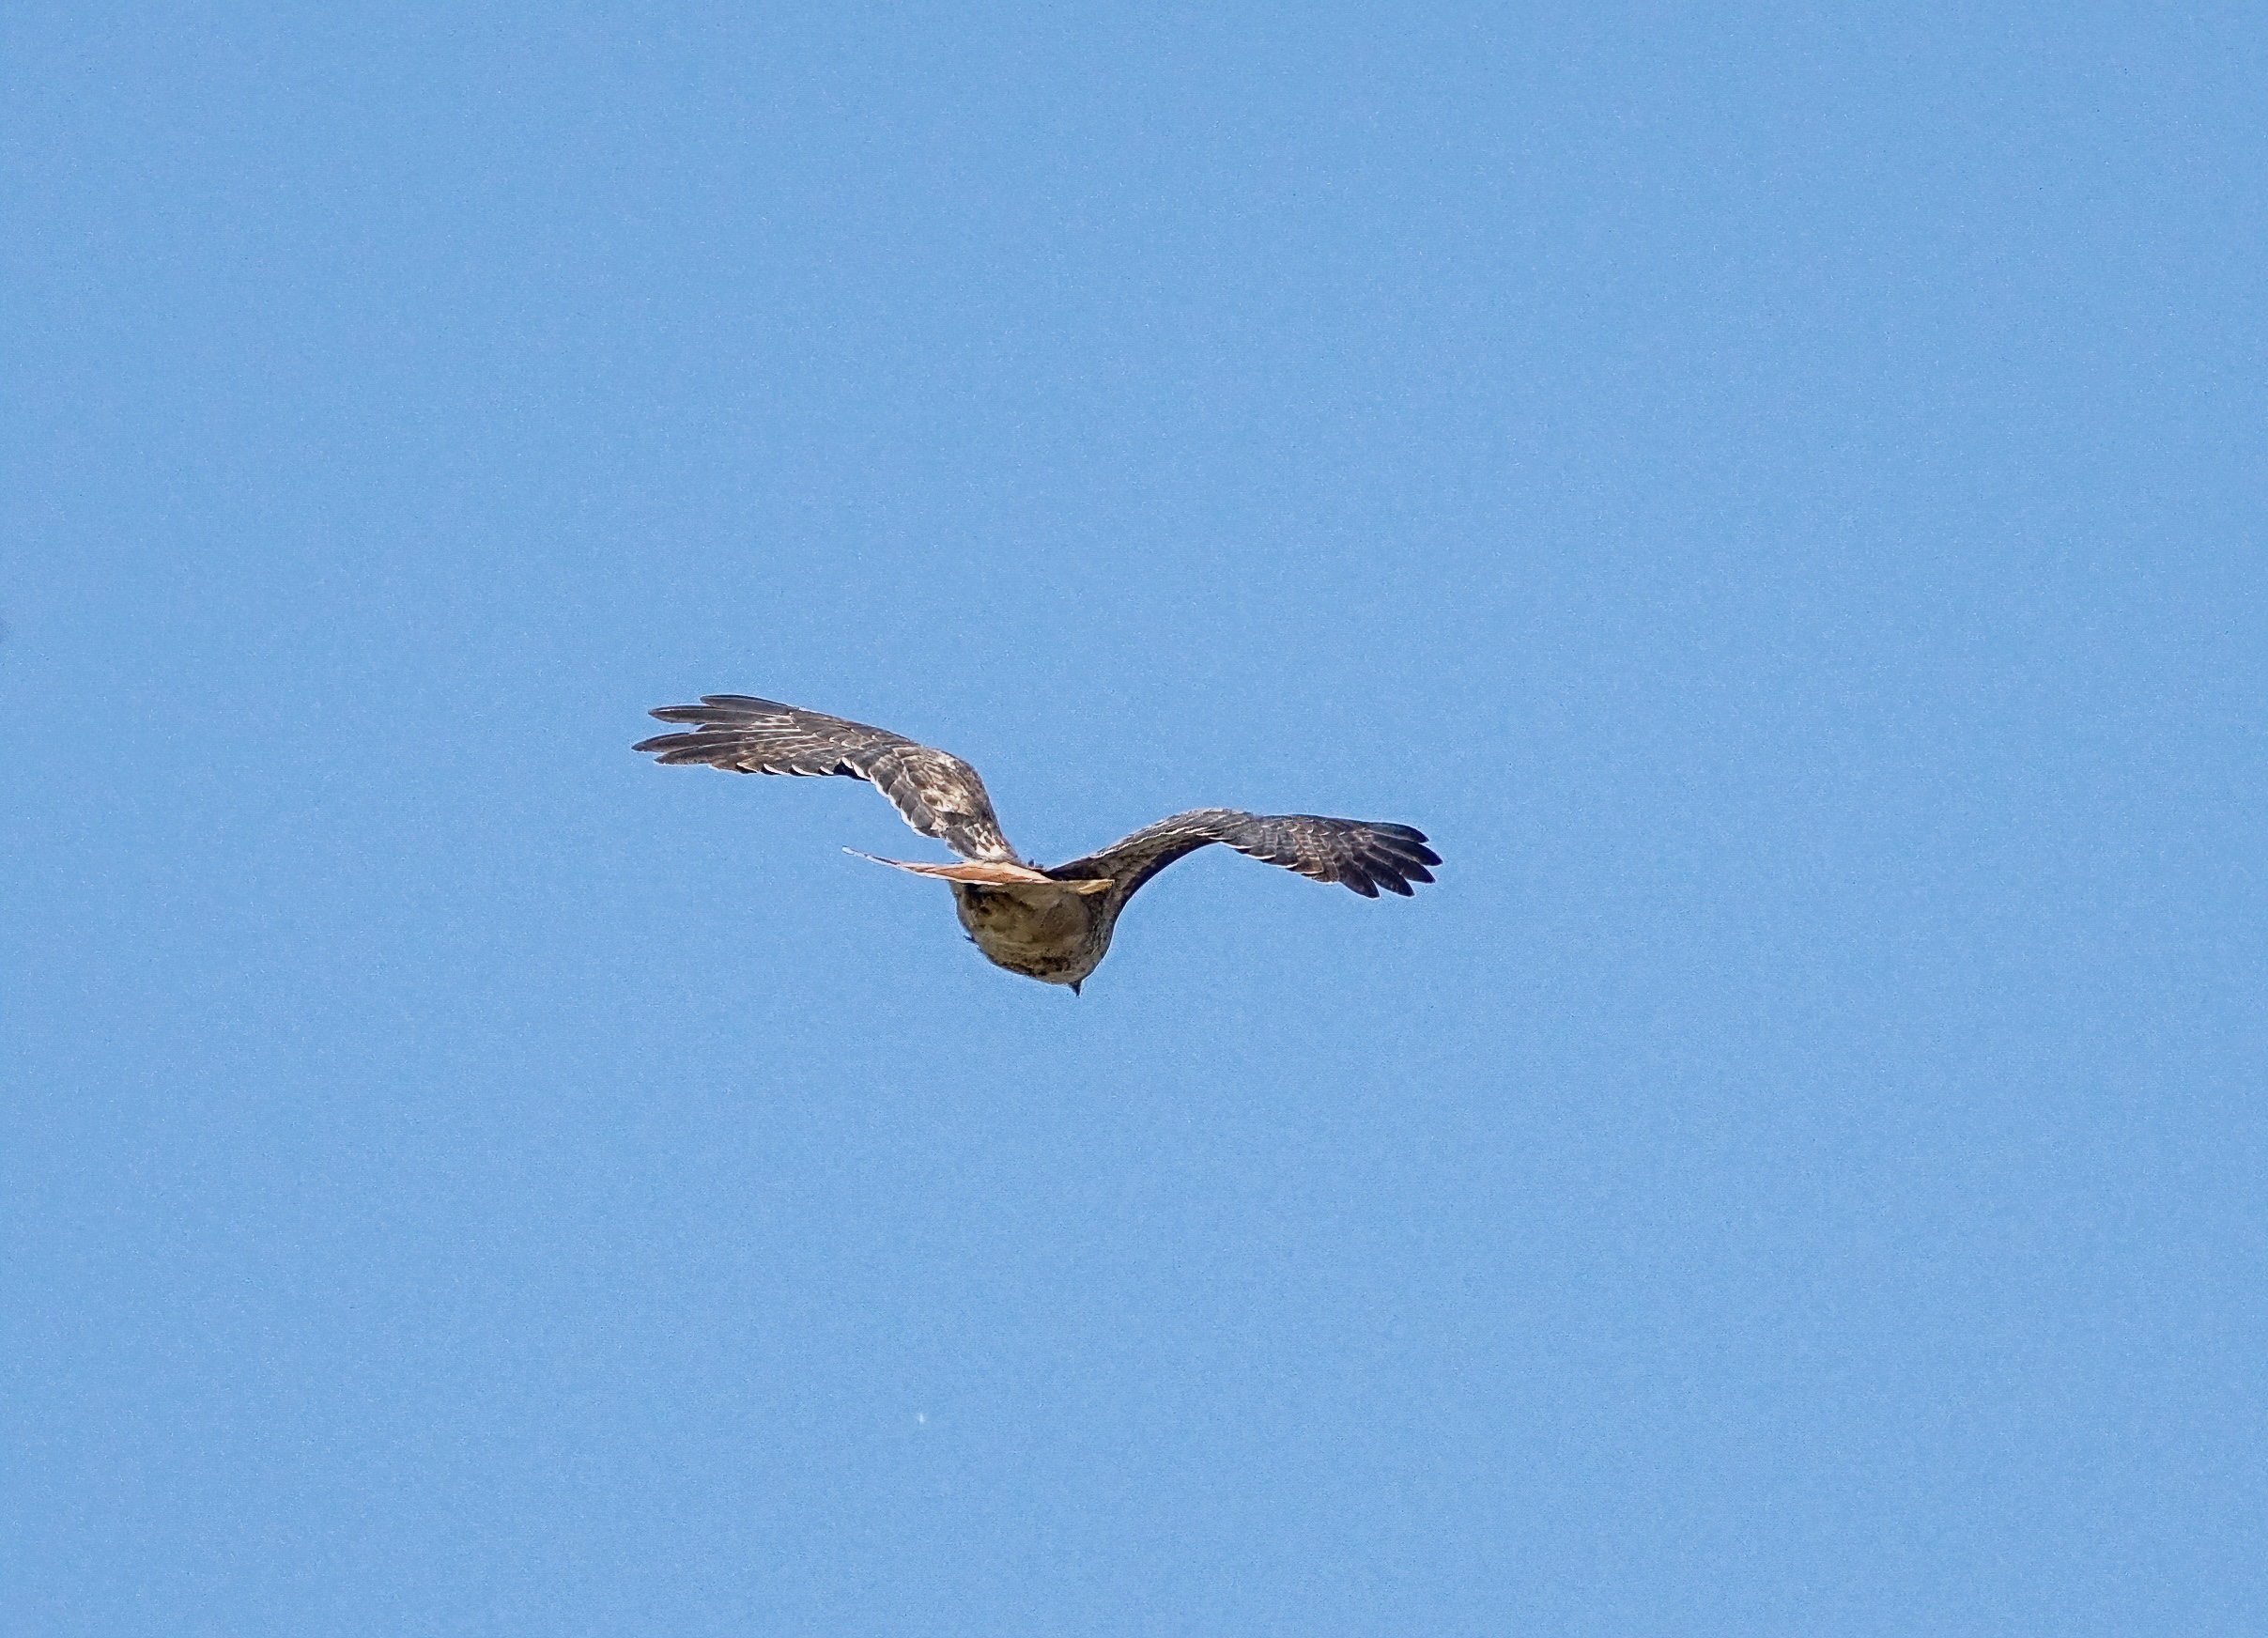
1050 924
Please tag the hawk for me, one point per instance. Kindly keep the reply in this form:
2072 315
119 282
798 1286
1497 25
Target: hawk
1050 924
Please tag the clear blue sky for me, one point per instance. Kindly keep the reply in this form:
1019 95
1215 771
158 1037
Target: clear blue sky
1776 492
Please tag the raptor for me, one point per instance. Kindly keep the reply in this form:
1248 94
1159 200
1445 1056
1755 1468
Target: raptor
1050 923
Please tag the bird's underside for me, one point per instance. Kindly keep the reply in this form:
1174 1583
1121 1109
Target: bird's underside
1053 925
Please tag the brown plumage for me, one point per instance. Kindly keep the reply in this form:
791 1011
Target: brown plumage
1050 924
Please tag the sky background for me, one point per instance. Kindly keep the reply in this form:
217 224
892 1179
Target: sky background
1775 492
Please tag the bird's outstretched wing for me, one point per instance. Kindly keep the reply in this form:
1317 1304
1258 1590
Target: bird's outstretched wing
939 796
1355 853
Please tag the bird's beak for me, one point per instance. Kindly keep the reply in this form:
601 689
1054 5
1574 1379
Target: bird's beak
1074 988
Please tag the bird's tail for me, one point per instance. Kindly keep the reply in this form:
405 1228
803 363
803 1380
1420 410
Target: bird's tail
992 875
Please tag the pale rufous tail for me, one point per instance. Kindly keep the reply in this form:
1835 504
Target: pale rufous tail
992 876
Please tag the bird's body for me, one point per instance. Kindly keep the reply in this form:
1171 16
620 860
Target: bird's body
1054 925
1052 933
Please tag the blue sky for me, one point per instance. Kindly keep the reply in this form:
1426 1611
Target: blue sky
1774 492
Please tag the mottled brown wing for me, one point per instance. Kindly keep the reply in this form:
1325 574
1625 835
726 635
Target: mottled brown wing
1360 853
939 796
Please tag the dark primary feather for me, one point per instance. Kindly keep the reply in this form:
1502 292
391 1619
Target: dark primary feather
1362 855
937 795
